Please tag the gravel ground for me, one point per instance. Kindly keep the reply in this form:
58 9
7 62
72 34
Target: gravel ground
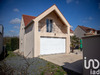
15 64
19 64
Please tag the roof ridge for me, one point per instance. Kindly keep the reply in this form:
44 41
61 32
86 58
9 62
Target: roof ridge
28 15
27 19
86 28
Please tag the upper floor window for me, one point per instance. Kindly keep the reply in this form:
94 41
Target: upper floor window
49 24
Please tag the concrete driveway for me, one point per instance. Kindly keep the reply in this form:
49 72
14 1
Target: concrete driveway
72 61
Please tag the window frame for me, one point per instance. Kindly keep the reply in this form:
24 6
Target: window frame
49 25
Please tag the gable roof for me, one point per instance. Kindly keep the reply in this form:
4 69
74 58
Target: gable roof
71 31
86 29
49 10
27 19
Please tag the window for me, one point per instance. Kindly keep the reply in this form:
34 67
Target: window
49 24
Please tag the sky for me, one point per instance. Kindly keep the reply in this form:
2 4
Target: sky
77 12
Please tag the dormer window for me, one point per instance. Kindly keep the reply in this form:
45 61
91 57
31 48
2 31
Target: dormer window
49 24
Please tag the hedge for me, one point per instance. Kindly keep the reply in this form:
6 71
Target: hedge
13 44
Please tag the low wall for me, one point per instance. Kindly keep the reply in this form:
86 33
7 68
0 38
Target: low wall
91 55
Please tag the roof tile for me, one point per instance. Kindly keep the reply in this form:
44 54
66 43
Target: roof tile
27 19
86 29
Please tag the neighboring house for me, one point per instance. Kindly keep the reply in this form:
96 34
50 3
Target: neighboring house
48 33
82 31
1 38
71 32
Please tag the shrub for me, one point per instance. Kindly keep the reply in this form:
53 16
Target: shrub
12 43
74 42
8 46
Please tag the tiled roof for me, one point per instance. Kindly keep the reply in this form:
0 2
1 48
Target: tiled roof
71 31
86 29
27 19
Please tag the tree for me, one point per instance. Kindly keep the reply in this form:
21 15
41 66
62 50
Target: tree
75 41
14 43
11 43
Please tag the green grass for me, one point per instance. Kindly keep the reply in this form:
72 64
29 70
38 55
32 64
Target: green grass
10 54
53 69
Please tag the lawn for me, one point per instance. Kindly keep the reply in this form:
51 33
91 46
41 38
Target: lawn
15 64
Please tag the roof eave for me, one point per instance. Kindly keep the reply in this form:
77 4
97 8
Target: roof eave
29 23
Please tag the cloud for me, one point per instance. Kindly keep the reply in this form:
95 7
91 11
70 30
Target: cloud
15 21
16 10
12 31
90 18
77 2
87 19
16 27
69 1
84 21
71 27
99 5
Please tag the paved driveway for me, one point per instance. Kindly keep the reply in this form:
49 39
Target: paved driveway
72 61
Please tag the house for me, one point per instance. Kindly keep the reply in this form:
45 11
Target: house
82 31
48 33
71 32
1 38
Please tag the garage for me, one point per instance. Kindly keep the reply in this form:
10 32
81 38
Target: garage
52 45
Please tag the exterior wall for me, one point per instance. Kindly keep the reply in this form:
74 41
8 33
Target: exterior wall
1 43
32 34
79 32
21 37
28 46
57 33
39 34
58 26
91 50
71 34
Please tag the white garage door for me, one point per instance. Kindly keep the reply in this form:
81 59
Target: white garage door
52 45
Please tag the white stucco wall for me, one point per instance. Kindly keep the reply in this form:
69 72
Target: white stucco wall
79 32
28 46
58 25
21 37
32 36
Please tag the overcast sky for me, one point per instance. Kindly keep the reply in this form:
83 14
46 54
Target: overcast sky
77 12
